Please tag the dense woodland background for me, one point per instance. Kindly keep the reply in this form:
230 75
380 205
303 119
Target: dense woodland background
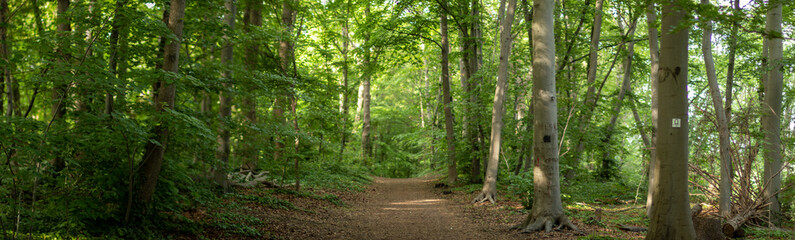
118 115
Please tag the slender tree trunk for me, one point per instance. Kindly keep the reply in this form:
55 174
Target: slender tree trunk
489 190
285 99
452 172
625 87
344 95
722 123
366 141
639 125
60 86
166 93
670 213
772 111
5 53
730 67
252 18
113 61
590 96
547 210
654 59
225 99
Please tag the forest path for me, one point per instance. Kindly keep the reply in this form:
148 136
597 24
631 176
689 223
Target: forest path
411 209
408 209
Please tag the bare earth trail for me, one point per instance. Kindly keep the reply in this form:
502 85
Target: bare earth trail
409 209
394 208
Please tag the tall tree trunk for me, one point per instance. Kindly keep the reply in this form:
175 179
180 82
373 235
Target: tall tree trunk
252 19
5 53
452 172
285 99
225 99
732 59
590 96
165 95
670 213
772 111
60 86
489 190
366 141
344 95
547 206
607 163
113 61
654 59
722 123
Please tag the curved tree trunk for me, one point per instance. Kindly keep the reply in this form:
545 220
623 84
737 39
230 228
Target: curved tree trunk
489 190
771 123
452 172
670 213
547 209
165 96
720 115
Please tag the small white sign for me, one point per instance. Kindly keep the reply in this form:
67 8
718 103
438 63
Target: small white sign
677 123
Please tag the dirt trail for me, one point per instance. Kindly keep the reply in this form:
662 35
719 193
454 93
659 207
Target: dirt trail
408 209
391 209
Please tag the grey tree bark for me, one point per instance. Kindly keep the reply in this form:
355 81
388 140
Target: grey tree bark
670 210
5 51
771 123
725 187
165 95
625 87
366 63
654 59
590 95
489 191
547 209
252 18
452 172
344 94
225 100
60 87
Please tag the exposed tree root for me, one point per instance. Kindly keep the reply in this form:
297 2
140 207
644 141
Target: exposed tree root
485 196
546 223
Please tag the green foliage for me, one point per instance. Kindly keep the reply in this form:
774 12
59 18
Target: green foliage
521 187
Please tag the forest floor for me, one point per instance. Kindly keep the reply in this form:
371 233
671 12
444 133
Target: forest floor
389 208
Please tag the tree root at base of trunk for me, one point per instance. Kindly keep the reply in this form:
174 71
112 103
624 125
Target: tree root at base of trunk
546 223
485 196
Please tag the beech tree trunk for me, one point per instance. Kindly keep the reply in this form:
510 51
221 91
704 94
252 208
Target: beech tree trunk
5 51
670 213
625 87
547 209
344 94
590 96
489 190
771 123
165 93
452 172
252 18
366 141
225 99
59 85
654 59
722 123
